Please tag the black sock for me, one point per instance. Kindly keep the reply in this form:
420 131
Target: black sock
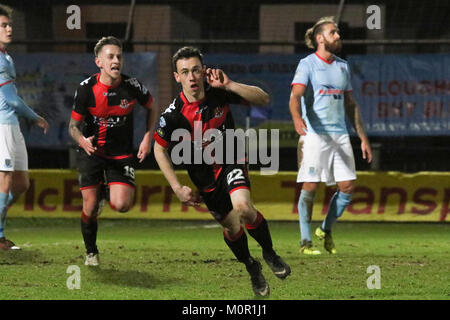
259 230
239 246
89 228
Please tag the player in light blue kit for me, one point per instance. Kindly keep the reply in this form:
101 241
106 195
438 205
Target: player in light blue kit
321 97
14 178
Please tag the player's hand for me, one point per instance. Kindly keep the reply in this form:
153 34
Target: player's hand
187 196
41 122
217 78
144 150
86 144
300 126
366 151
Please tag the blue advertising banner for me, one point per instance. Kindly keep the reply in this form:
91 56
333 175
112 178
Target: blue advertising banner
272 72
403 95
47 82
398 95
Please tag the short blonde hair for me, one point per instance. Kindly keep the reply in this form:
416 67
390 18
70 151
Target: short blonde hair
105 41
311 33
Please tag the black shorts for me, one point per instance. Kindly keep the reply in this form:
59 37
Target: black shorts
94 170
217 198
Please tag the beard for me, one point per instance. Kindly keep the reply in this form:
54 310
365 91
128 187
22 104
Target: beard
333 47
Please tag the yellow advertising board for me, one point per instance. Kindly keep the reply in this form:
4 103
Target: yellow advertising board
379 196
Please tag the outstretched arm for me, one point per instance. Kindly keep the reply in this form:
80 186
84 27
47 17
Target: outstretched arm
9 91
354 114
254 95
184 193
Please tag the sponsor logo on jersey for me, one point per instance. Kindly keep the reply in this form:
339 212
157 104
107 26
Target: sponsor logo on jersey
160 132
162 122
331 91
110 122
8 163
124 103
218 112
109 94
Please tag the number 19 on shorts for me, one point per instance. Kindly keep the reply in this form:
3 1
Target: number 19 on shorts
128 172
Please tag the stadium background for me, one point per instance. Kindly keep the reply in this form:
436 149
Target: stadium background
405 64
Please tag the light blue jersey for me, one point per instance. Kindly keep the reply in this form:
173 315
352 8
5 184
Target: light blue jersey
11 105
323 101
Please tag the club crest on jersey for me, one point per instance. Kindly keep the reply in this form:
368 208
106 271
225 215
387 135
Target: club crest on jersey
124 103
218 112
8 163
162 122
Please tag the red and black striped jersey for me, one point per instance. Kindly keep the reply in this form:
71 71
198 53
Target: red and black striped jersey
107 112
212 112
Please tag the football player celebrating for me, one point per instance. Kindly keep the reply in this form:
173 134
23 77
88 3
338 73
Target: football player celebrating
104 105
225 188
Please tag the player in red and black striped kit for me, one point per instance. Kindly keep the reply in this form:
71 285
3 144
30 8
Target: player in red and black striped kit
104 107
223 186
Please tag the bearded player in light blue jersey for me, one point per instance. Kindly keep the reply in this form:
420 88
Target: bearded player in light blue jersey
321 98
14 178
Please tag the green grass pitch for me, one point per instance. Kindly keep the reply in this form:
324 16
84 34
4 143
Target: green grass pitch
165 260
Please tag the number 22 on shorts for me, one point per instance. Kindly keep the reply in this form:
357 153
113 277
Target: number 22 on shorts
235 175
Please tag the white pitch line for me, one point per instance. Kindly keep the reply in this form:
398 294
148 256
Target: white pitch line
206 226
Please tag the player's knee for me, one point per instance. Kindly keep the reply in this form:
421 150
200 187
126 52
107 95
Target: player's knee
121 205
90 206
310 186
246 211
23 187
349 189
243 208
90 211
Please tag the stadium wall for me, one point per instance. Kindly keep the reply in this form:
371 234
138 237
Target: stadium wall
150 23
379 196
277 23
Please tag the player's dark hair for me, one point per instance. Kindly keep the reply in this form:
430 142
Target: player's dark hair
311 33
105 41
185 53
5 11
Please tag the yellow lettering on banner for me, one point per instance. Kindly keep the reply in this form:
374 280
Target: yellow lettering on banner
378 196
